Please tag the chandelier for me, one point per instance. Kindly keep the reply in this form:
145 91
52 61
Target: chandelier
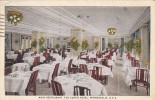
14 17
111 31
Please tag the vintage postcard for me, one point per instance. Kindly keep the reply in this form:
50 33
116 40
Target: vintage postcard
77 49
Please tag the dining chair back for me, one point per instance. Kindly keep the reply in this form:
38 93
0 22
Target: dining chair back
142 79
31 87
8 70
56 88
99 75
55 73
81 91
36 61
104 62
83 68
92 60
70 65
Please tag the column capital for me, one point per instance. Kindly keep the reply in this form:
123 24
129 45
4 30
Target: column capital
77 30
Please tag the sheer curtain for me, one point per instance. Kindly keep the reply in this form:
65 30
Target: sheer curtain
30 43
26 42
23 40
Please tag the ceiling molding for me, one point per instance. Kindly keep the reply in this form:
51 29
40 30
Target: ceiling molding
143 18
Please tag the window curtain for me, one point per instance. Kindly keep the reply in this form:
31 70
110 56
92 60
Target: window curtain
26 43
23 40
30 42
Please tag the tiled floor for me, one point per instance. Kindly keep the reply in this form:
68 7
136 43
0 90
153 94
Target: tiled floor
116 86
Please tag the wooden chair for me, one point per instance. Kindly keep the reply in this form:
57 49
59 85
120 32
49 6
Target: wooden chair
128 56
48 57
72 70
56 88
31 87
104 62
35 63
142 79
92 73
8 70
93 60
55 72
8 62
81 91
83 68
99 75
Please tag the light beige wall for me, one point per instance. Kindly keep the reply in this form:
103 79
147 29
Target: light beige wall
145 38
61 41
16 41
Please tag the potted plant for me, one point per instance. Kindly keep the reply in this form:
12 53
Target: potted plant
34 43
129 45
74 43
137 46
84 44
42 48
116 45
57 46
109 45
41 41
96 43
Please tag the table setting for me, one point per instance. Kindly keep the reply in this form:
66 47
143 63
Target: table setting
81 79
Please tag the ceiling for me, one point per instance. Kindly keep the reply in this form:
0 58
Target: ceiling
60 20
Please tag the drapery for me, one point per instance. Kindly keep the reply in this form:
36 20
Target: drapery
22 46
26 42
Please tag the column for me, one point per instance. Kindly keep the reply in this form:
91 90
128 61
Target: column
37 35
79 34
145 44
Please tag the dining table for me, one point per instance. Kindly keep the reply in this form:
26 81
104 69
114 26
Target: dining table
17 82
45 71
30 59
12 56
80 79
105 70
20 67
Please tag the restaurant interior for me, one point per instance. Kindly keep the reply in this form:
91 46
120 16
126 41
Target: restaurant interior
77 50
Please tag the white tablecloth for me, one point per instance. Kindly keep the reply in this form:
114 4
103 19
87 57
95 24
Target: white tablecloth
81 79
30 59
110 62
130 75
57 57
45 71
105 70
28 54
20 67
83 56
126 64
17 82
10 52
124 56
12 56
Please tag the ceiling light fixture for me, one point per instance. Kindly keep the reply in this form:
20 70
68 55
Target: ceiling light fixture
111 31
14 17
